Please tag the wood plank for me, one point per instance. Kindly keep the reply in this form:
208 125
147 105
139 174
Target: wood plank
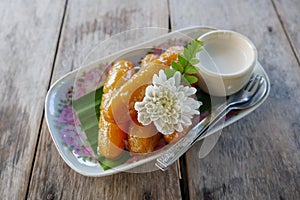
29 34
288 12
257 157
88 23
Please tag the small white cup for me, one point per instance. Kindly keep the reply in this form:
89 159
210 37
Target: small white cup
226 62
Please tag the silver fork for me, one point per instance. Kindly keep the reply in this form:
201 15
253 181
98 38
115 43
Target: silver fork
238 100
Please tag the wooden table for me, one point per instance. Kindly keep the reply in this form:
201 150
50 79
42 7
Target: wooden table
257 157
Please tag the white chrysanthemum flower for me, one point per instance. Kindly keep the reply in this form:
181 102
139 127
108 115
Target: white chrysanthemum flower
168 104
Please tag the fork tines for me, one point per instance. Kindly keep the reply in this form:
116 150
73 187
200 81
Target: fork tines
253 83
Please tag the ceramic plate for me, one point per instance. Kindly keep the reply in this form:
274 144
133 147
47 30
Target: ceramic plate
64 126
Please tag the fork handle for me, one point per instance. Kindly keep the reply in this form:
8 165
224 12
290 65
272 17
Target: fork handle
180 147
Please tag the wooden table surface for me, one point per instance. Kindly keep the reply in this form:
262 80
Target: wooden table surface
257 157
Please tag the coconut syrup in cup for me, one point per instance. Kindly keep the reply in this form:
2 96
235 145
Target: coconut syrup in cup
226 62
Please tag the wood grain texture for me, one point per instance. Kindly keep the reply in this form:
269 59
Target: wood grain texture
288 12
257 157
92 22
29 34
86 23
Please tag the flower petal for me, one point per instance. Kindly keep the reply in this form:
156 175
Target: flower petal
167 104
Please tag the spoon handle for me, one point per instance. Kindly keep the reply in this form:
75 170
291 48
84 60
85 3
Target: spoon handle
205 132
180 147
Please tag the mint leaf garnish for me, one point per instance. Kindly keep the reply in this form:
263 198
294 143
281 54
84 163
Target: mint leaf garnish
185 63
177 67
191 69
192 49
191 79
182 60
170 72
194 61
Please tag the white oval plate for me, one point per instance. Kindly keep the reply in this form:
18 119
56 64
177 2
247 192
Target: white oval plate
66 133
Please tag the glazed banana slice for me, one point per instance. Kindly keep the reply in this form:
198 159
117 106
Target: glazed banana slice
111 136
142 140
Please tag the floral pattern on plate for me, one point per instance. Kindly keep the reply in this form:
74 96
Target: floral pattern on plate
90 80
70 131
67 121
